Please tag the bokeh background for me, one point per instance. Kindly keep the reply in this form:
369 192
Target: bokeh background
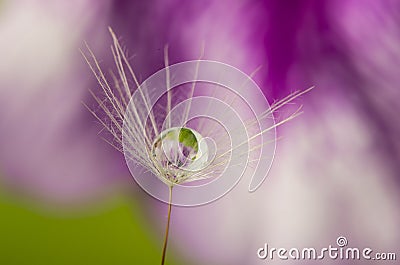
66 197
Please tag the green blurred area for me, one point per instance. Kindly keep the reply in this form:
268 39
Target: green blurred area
115 235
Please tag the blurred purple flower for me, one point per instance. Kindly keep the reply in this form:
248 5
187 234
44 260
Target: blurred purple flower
339 161
49 147
336 170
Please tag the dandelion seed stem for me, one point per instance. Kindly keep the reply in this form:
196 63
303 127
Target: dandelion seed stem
164 251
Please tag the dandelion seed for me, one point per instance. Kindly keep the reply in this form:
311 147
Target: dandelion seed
170 136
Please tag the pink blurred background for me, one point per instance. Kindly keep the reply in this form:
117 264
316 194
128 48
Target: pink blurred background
336 170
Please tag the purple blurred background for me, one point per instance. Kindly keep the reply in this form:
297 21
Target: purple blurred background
337 167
